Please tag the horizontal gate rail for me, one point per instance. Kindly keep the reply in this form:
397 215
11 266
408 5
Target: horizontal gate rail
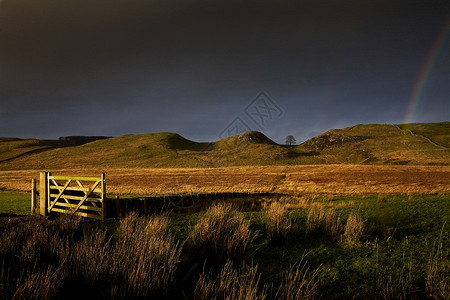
75 178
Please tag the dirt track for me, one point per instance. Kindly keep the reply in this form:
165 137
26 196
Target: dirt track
336 179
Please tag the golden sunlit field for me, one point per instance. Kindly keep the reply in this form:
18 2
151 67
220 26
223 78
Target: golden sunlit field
313 179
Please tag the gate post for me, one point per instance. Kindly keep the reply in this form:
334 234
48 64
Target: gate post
33 196
103 196
43 193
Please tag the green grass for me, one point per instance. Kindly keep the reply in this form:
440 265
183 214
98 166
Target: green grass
415 223
15 203
437 132
400 228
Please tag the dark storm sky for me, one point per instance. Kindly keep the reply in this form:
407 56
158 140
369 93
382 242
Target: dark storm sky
113 67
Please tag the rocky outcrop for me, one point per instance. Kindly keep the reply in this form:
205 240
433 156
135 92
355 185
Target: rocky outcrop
330 140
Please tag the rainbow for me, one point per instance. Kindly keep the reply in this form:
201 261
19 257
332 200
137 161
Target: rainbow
425 73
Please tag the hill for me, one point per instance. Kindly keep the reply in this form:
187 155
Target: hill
13 148
423 144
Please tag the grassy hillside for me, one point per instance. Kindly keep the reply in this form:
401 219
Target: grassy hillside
438 133
367 144
164 149
384 144
13 148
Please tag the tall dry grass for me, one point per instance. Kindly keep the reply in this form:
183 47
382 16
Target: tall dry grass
91 257
68 223
277 222
140 262
325 221
29 261
231 284
145 257
30 244
396 281
354 230
437 278
221 232
299 283
43 285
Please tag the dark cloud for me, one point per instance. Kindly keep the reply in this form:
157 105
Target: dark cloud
134 66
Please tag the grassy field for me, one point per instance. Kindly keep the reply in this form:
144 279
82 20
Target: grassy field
399 251
292 180
15 203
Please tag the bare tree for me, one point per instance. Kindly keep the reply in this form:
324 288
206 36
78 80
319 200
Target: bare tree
290 140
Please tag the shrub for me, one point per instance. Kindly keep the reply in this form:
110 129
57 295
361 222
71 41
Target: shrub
277 222
221 232
230 284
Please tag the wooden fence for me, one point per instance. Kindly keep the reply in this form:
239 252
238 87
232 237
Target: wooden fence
84 196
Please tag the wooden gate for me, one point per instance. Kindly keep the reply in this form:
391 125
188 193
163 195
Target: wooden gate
84 196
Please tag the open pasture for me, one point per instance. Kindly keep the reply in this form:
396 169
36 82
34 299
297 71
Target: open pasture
294 180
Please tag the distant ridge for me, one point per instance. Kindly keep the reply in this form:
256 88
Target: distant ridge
414 144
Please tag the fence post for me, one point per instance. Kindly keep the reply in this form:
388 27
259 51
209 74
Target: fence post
145 205
43 192
48 192
33 196
103 196
117 206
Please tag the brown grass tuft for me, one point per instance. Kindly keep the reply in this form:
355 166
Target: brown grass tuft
324 221
30 243
354 230
277 222
141 263
68 223
91 257
231 284
299 283
438 273
222 232
42 285
145 257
